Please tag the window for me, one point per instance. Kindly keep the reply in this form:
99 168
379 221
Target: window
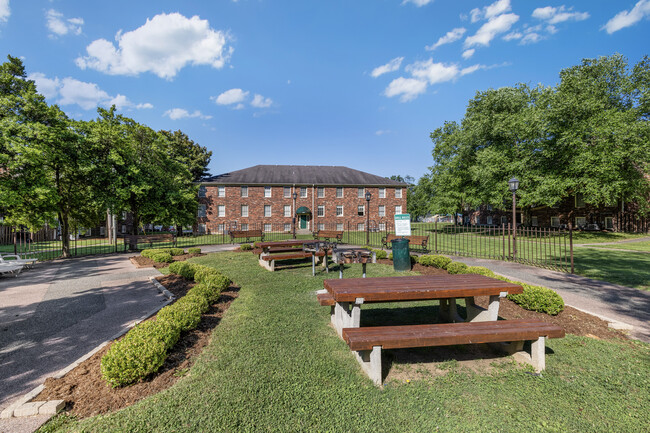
123 229
244 191
201 211
361 227
267 210
287 210
581 222
339 192
398 192
303 192
320 210
382 227
287 227
123 215
580 200
489 220
504 220
398 210
339 227
287 192
609 223
382 192
321 226
489 207
202 191
555 221
201 228
244 226
221 191
361 192
339 210
244 210
382 210
221 210
267 227
533 221
220 228
320 192
361 210
267 191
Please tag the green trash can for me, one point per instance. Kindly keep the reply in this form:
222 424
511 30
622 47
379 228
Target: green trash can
401 255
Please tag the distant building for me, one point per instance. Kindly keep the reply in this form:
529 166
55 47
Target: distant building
269 197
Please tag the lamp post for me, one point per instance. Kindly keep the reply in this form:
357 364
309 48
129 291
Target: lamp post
368 197
293 221
513 184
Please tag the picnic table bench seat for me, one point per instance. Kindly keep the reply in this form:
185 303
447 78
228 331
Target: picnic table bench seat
246 234
419 241
329 234
367 342
268 260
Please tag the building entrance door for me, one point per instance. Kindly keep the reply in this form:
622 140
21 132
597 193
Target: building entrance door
303 221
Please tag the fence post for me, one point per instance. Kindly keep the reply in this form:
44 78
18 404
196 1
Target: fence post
571 245
435 235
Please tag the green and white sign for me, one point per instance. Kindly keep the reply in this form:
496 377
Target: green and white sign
403 224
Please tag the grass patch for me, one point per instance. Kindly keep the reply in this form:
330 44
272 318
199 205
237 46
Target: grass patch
274 364
636 246
619 267
597 237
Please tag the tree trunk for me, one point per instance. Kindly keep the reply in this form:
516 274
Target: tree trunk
65 235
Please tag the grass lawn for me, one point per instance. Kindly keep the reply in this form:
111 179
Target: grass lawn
597 237
619 267
643 246
274 364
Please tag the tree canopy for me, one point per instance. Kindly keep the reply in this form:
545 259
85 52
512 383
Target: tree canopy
588 135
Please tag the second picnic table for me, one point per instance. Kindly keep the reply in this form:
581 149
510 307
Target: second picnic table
347 295
289 249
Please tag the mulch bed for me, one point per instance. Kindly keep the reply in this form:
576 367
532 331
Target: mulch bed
87 394
146 262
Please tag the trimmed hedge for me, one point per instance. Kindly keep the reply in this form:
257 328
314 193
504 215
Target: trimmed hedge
149 252
414 259
143 349
194 251
435 261
479 270
537 298
457 268
245 247
162 257
380 254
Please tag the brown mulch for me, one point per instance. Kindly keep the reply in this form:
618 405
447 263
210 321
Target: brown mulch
146 262
87 394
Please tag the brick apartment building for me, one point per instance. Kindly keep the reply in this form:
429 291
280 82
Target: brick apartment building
318 197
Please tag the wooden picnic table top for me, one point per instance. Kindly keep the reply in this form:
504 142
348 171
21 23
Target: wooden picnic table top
286 243
420 287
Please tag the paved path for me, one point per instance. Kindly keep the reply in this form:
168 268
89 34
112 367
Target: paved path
55 313
611 301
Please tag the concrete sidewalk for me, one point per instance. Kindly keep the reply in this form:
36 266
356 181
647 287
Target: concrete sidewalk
609 301
57 312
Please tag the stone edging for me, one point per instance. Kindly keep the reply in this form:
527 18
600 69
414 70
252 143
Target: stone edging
24 407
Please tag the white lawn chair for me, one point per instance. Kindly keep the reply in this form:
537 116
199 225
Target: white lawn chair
8 268
16 260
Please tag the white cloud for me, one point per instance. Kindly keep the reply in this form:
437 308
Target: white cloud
232 96
181 113
451 36
381 132
260 101
391 66
513 36
58 25
418 3
468 53
497 8
407 88
163 45
555 15
475 15
433 72
626 18
70 91
5 11
492 28
531 38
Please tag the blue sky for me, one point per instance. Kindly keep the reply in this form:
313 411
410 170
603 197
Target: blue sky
360 83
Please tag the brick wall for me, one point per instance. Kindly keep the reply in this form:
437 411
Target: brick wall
233 201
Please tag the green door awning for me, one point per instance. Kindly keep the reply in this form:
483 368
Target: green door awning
302 210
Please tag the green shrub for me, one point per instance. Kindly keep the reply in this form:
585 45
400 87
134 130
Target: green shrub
457 268
245 247
540 299
194 251
176 251
479 270
210 293
140 353
380 254
162 258
150 252
183 315
184 269
414 259
436 261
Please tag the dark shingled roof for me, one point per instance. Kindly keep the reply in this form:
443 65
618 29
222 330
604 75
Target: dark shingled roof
300 175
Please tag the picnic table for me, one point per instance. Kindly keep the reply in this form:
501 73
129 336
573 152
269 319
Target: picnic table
347 295
273 251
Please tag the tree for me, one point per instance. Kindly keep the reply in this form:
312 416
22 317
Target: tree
184 150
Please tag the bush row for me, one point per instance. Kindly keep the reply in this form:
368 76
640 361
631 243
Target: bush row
534 298
162 255
143 349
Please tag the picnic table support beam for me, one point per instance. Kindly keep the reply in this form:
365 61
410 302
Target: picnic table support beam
347 315
370 361
449 311
479 314
269 265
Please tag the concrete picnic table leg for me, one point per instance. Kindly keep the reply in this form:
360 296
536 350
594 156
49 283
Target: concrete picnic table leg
364 269
347 315
479 314
449 311
313 264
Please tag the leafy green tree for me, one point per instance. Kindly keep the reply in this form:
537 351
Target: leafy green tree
194 156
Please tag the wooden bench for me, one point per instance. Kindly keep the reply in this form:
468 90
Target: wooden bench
268 260
367 342
136 240
246 234
329 234
420 241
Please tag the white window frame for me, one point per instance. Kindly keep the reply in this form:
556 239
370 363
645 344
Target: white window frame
267 227
320 192
303 192
361 227
287 227
287 192
221 191
202 191
382 192
286 210
267 207
398 209
267 191
361 210
221 227
339 227
381 211
609 223
201 227
361 192
339 207
244 191
244 210
321 226
398 192
339 192
221 210
555 219
382 227
244 226
320 210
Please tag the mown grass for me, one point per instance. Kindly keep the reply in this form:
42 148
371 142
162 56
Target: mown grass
619 267
275 365
643 246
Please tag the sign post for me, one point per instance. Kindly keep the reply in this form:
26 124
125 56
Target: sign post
403 224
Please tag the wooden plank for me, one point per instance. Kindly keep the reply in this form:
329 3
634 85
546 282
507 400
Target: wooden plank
396 337
287 243
325 299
